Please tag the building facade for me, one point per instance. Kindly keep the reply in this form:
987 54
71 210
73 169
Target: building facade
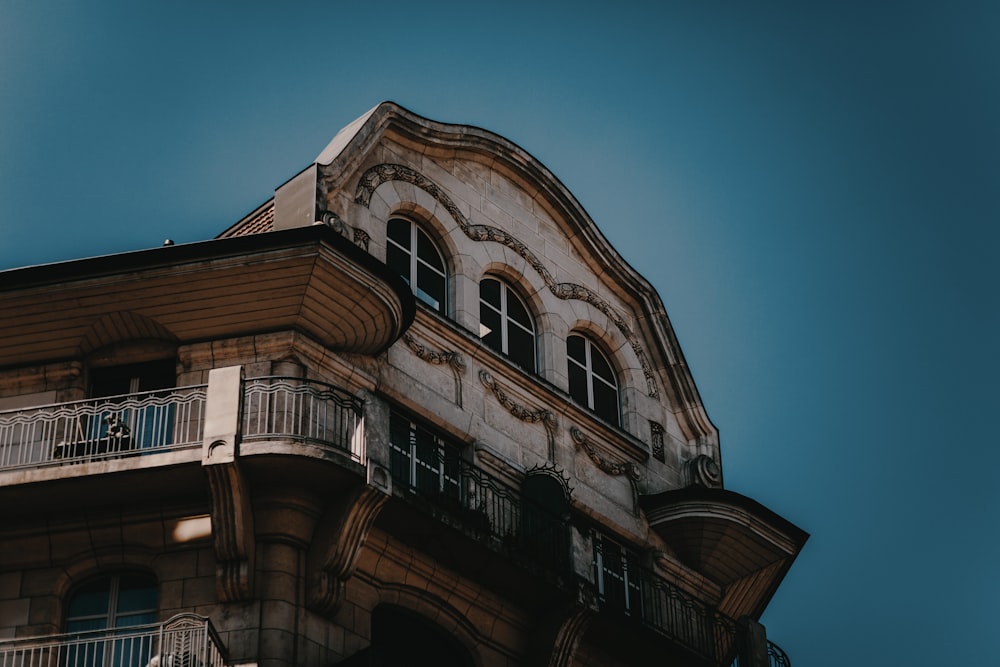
413 410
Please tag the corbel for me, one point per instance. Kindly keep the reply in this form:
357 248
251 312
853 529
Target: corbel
333 555
231 511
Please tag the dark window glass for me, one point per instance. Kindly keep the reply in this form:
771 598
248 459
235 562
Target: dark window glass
399 231
424 271
591 379
490 328
505 324
521 348
576 348
578 384
132 378
422 460
113 601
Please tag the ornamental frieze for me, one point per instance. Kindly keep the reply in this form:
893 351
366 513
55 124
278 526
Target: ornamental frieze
547 418
450 357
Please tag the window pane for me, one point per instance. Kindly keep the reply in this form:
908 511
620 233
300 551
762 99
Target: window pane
430 287
398 260
427 251
600 365
91 599
87 624
517 312
399 231
575 348
489 291
399 448
521 346
131 620
489 327
606 402
136 593
578 384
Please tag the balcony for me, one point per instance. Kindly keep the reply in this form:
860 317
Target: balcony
285 409
304 412
474 523
640 596
185 639
100 429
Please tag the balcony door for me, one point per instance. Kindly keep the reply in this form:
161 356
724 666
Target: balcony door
133 414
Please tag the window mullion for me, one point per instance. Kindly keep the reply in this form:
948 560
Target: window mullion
590 374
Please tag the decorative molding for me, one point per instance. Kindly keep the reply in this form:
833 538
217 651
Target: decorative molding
704 471
333 557
547 418
382 173
450 357
337 224
552 471
361 238
627 468
656 436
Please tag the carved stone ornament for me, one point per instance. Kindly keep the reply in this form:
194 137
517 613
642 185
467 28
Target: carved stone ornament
627 468
656 433
705 472
547 418
337 224
383 173
450 357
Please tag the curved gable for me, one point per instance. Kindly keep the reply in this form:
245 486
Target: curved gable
357 163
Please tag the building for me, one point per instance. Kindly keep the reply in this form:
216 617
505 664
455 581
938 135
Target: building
414 409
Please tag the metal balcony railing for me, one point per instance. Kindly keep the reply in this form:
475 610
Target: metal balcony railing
776 657
308 411
102 428
483 506
626 588
186 640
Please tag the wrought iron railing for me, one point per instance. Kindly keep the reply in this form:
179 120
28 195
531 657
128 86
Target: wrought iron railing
102 428
776 657
641 595
303 410
485 507
186 639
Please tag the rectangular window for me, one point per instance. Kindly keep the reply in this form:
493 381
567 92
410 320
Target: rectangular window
422 460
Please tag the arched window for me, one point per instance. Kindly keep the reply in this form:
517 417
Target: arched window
505 324
104 606
111 601
591 379
410 251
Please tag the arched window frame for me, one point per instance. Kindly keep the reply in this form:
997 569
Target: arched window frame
119 610
417 253
505 311
591 374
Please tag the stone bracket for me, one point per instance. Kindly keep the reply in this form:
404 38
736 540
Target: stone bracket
231 510
333 556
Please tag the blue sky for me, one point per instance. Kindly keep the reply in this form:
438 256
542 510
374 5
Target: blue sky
812 188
